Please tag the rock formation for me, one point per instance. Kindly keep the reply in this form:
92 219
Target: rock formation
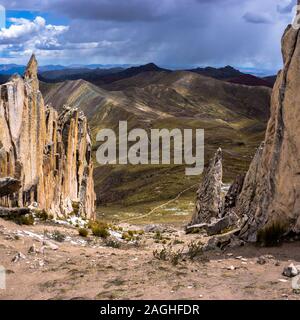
49 154
269 202
232 196
8 186
209 201
210 214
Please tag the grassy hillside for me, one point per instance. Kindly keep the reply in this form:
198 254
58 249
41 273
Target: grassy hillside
233 116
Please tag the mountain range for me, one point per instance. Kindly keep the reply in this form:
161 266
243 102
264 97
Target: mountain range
234 117
102 74
231 106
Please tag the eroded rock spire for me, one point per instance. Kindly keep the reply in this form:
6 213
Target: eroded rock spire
209 201
269 203
49 154
31 72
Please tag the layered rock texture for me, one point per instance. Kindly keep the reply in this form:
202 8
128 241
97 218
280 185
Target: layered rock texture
209 201
266 203
210 214
270 198
48 153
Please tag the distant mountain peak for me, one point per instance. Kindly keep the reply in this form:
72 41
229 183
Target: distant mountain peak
151 65
223 73
147 67
228 67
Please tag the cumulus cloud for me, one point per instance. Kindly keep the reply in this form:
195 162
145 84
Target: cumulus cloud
23 30
167 32
24 34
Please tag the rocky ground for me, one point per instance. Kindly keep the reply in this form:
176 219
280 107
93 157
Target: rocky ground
39 267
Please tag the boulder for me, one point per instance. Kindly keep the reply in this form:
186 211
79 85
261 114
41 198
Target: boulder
219 226
9 212
19 256
9 185
290 271
223 240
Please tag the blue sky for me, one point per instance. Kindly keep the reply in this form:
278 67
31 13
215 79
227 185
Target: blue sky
31 15
178 33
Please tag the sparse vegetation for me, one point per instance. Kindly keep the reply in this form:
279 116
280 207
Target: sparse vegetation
113 243
158 236
41 214
131 233
177 241
100 229
161 254
83 232
167 254
27 219
176 256
58 236
195 249
126 236
76 207
271 235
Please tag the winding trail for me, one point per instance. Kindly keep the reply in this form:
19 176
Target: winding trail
160 206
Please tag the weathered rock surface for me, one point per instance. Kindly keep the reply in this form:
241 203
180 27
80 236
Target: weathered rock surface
266 202
209 200
291 271
215 227
8 186
232 195
49 153
210 214
8 212
224 240
218 226
270 197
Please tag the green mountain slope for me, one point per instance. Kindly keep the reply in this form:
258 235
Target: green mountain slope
233 116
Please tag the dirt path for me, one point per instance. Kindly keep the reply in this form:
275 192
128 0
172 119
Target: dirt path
87 268
160 206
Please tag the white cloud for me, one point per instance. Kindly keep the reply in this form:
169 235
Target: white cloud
175 32
25 36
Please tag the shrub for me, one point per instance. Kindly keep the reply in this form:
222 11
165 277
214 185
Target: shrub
83 232
195 249
161 254
177 241
100 230
126 236
167 254
158 236
175 257
130 233
76 207
272 235
41 214
113 243
58 236
27 220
